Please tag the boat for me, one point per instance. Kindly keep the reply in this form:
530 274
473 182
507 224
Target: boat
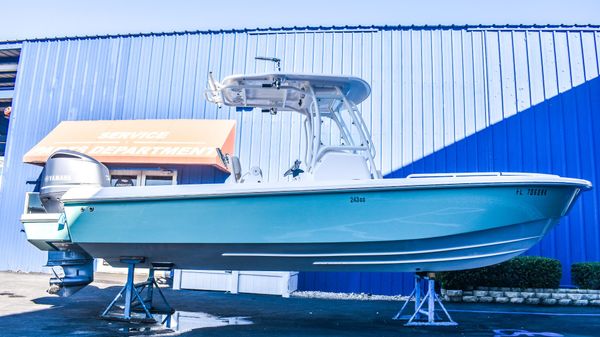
335 212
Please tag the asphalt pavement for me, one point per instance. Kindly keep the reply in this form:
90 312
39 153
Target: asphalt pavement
27 310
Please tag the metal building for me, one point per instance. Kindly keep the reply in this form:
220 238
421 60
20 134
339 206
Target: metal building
444 99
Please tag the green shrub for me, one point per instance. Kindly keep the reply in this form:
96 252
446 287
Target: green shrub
586 275
519 272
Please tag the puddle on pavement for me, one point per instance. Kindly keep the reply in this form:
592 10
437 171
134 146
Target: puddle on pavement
183 321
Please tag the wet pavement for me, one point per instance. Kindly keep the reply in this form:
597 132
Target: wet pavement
27 310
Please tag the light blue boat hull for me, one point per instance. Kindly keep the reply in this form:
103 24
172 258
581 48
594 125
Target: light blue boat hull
405 229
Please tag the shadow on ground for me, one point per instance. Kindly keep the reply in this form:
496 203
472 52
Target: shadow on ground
31 313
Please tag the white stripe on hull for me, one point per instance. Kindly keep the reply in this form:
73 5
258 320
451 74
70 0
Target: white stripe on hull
457 258
379 253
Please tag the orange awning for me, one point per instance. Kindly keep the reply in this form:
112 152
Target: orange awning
188 142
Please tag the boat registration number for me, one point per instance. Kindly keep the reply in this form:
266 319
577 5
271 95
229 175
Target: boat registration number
354 199
537 192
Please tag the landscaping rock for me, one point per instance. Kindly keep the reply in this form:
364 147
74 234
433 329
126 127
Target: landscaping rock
469 299
486 299
454 293
512 294
504 300
526 294
577 297
581 302
543 295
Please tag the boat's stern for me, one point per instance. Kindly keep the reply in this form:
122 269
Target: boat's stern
49 232
43 230
45 223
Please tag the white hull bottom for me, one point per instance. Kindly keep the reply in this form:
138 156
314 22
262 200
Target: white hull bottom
455 252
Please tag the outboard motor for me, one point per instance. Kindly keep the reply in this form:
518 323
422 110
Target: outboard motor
64 170
78 271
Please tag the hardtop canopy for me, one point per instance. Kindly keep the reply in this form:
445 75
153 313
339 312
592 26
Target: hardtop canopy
286 91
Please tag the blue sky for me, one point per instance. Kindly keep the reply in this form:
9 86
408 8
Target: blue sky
26 19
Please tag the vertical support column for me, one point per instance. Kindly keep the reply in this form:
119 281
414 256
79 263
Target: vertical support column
150 288
417 292
431 300
129 291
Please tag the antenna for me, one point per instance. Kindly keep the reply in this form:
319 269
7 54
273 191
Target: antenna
275 60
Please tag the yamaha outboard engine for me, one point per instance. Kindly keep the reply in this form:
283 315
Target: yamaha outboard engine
64 170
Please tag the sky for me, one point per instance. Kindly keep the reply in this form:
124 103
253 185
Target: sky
30 19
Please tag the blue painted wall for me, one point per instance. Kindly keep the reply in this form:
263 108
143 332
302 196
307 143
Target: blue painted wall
444 99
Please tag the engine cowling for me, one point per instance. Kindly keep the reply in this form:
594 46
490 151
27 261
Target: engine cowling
66 169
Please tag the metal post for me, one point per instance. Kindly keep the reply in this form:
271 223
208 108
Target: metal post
150 287
133 296
129 291
430 299
417 294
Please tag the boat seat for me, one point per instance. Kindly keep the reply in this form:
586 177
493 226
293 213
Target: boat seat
341 166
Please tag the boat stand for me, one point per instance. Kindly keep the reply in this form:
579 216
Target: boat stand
137 306
425 316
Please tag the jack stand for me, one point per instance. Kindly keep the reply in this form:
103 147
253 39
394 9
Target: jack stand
420 316
135 307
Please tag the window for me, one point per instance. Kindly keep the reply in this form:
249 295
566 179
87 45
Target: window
154 178
120 178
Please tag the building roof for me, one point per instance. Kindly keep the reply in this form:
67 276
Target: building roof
295 29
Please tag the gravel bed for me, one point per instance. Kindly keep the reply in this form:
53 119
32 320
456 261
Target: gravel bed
347 296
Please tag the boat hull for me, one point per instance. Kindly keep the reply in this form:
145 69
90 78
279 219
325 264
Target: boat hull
426 228
456 252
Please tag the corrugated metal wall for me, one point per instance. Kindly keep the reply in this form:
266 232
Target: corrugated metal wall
444 99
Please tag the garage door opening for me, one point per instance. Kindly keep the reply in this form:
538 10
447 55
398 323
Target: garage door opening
9 59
